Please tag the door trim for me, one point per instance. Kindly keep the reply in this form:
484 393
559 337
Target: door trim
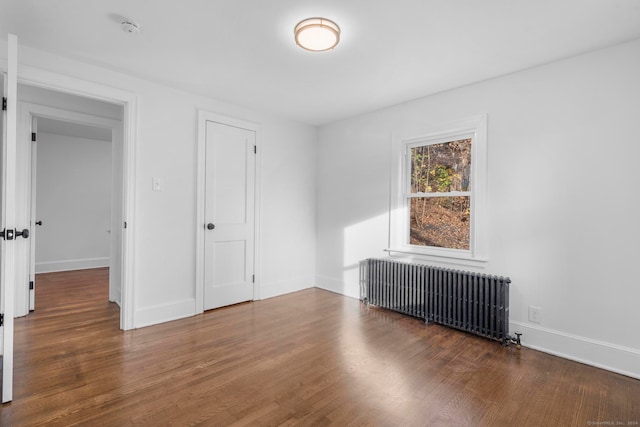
203 118
34 76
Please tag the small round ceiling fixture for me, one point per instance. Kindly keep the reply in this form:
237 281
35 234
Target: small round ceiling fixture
130 27
317 34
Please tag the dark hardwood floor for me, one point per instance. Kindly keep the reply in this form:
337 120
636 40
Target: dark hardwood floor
307 358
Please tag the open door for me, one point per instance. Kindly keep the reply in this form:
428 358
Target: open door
32 237
8 233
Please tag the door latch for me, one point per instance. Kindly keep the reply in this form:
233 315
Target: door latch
11 234
8 234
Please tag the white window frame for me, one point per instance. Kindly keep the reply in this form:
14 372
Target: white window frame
473 127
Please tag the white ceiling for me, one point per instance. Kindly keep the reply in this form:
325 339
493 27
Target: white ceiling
242 51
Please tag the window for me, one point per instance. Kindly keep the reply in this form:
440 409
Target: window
438 191
439 196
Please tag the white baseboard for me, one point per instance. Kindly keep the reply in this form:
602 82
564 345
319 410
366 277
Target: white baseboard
337 286
164 313
612 357
71 264
274 289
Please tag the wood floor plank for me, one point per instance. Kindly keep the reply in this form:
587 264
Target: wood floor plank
310 358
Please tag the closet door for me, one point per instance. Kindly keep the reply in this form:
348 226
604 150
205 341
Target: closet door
229 215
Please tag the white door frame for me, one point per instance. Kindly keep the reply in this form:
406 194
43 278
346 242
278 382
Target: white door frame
34 76
203 118
27 112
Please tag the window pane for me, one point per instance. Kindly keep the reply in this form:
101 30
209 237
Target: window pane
440 168
442 222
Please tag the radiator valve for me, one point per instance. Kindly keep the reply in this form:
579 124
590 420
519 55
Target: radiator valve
511 340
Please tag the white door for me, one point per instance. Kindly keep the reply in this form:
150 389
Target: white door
229 215
8 241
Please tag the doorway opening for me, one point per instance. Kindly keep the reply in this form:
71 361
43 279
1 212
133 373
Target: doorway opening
73 186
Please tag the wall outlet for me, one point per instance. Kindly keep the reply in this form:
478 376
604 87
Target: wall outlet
535 314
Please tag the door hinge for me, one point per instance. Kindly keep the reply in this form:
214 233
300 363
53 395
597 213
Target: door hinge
4 104
1 319
255 149
31 285
125 224
33 137
253 278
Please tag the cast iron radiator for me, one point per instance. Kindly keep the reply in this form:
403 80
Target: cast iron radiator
472 302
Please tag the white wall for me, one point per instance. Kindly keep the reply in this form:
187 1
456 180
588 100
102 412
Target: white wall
288 209
165 229
73 201
562 198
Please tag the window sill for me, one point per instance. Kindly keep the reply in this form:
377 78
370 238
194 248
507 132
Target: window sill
447 258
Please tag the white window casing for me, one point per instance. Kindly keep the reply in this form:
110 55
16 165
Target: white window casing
474 128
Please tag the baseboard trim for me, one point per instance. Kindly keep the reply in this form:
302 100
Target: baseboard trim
71 264
336 286
164 313
282 287
611 357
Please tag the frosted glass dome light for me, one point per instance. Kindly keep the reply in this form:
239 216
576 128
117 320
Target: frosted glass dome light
317 34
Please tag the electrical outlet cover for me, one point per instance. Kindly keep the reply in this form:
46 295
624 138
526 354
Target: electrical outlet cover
535 314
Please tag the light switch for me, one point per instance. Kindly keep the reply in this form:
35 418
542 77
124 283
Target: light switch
157 184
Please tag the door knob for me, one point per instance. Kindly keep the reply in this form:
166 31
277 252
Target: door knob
38 222
210 226
24 233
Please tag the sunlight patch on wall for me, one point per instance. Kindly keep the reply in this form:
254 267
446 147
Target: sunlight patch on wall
363 240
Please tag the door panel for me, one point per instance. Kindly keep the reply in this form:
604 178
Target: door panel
230 181
229 209
232 256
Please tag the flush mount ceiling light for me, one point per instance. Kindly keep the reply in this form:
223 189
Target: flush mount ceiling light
317 34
